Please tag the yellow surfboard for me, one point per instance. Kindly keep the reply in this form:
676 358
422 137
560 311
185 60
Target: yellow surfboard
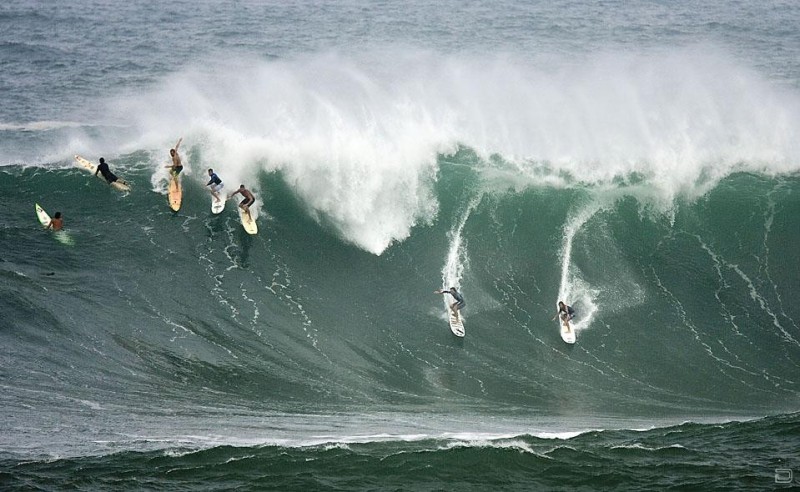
248 222
175 193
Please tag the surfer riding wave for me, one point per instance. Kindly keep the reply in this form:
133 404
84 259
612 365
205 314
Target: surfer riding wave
460 303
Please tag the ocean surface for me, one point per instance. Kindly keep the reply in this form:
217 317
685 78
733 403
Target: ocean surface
638 159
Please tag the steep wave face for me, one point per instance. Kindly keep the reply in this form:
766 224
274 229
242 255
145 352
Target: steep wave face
683 311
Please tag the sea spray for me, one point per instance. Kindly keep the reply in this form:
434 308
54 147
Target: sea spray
357 137
457 260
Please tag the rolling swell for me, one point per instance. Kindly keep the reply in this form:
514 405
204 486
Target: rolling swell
703 456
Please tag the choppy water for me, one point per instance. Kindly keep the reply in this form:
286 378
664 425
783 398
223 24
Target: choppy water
639 160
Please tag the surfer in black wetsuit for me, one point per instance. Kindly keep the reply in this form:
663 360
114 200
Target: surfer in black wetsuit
566 313
460 302
106 172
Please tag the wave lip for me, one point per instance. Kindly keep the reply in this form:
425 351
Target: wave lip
358 137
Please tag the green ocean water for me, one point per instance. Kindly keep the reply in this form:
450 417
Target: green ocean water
704 457
165 341
638 160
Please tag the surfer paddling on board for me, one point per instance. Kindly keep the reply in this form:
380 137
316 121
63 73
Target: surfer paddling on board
566 313
56 223
215 183
248 198
110 177
176 166
456 306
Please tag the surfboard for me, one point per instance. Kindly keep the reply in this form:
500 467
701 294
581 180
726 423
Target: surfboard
217 206
119 184
61 236
44 218
567 331
456 324
248 222
175 193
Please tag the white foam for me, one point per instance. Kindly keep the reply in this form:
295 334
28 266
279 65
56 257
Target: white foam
357 136
44 125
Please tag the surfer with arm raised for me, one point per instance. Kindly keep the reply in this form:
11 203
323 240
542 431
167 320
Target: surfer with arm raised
456 306
176 167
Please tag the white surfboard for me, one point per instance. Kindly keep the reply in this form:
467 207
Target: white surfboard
567 332
119 184
217 206
456 324
44 219
248 222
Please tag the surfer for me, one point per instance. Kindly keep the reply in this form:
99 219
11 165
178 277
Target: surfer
566 313
248 198
110 177
176 166
56 222
456 306
215 183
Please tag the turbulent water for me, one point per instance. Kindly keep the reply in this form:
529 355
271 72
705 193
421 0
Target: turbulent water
639 160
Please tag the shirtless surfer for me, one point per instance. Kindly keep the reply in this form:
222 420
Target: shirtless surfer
176 166
56 222
248 198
